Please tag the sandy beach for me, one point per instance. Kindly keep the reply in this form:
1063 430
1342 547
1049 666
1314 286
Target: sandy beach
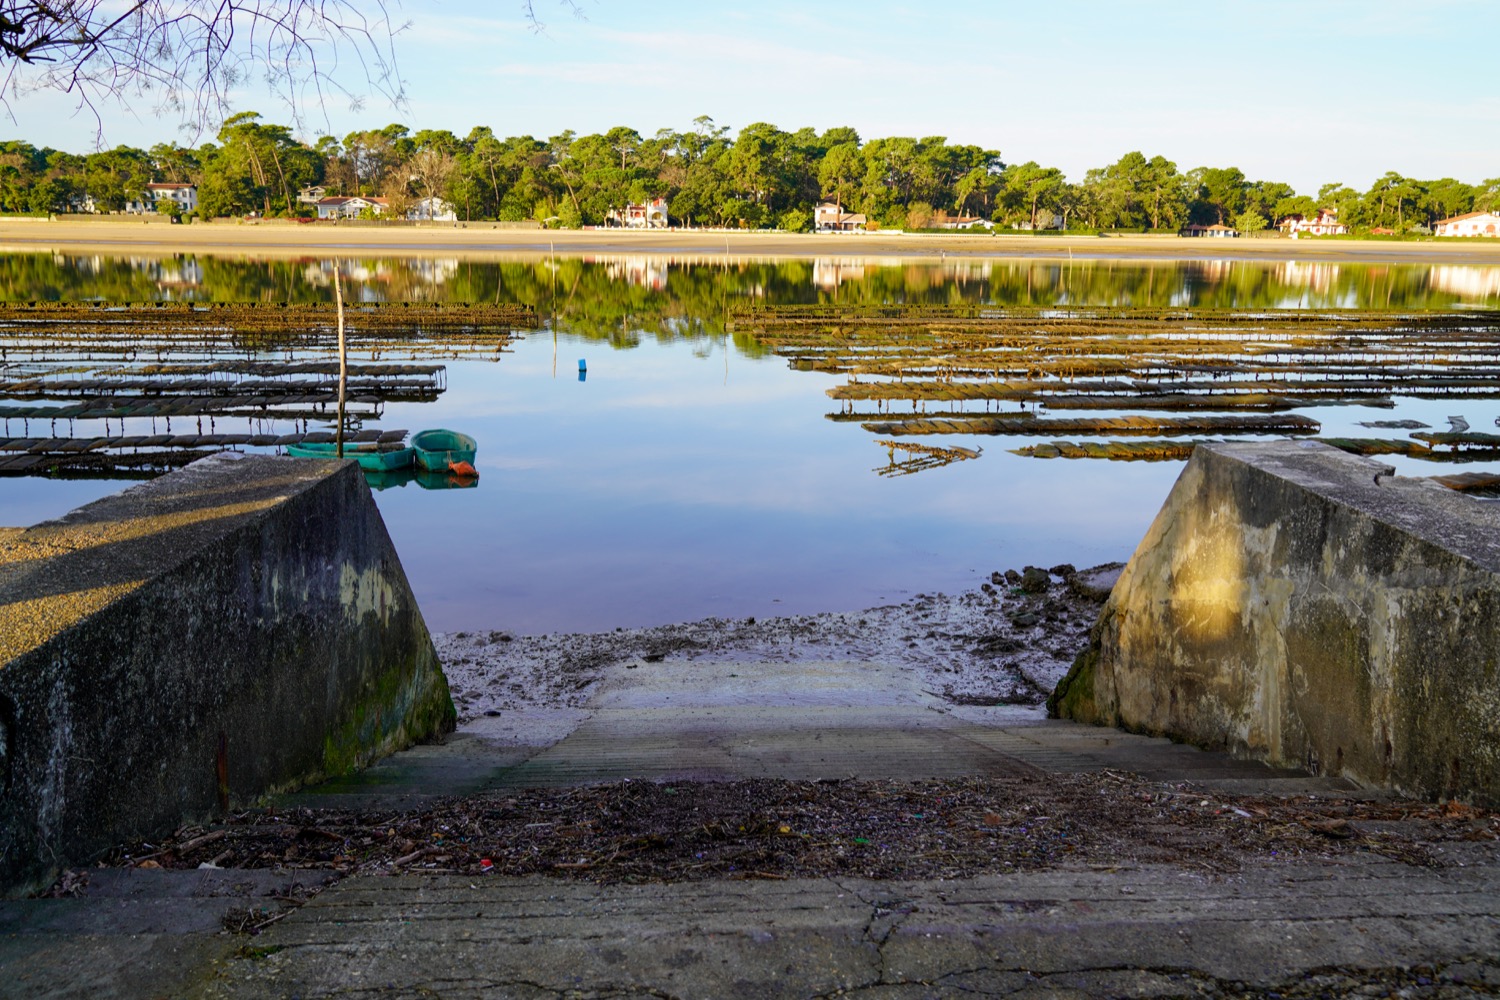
481 241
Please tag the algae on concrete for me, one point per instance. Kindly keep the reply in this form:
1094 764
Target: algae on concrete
1306 607
235 629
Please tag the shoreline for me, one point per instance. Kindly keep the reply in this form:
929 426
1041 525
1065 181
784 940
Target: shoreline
276 239
996 650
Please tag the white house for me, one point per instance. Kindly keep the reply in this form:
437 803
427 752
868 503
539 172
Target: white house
943 220
1325 223
1469 224
1217 229
312 195
349 206
432 210
830 218
185 196
649 215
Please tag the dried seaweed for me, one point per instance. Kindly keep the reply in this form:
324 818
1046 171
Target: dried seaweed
635 831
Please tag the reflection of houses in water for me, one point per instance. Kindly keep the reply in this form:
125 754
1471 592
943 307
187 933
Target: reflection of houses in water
1211 271
169 275
645 272
84 265
828 273
414 278
434 272
179 275
360 278
1468 282
1319 278
962 274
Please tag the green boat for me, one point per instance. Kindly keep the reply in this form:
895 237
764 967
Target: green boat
439 449
371 457
392 479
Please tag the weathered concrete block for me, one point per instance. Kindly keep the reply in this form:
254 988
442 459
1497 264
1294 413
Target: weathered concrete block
1302 606
240 619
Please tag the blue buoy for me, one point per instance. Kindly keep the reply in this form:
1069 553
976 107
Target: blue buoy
583 370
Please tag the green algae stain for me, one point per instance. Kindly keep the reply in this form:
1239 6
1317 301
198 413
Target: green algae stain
1073 698
407 702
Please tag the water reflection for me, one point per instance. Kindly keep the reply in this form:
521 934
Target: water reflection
1477 284
673 484
684 295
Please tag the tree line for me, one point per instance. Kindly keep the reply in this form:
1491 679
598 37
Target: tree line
764 177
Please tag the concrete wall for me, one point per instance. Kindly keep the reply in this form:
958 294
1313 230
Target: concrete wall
240 618
1288 606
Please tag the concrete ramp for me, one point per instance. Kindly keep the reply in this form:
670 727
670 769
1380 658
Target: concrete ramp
679 720
1308 608
194 643
721 721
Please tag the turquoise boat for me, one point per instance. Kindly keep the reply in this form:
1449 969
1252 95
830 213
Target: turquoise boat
438 449
392 479
371 457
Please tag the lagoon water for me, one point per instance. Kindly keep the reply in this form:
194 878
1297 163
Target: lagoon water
693 474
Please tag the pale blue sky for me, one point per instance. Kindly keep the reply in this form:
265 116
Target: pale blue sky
1305 91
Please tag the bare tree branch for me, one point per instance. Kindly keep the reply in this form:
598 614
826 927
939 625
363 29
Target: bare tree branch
528 8
188 56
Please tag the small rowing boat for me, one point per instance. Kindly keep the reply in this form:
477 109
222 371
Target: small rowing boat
442 450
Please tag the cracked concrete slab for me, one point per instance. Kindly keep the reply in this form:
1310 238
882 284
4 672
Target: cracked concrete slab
1149 931
1325 925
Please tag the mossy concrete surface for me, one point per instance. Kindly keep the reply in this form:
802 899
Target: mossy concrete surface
1307 608
235 629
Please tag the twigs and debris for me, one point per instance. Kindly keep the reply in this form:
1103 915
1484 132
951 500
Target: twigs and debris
636 831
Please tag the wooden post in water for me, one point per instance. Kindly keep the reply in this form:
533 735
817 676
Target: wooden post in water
338 299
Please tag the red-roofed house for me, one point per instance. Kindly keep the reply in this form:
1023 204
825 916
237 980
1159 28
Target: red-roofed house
1325 223
1217 229
648 215
1469 224
829 218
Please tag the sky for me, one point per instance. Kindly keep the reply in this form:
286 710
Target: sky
1301 91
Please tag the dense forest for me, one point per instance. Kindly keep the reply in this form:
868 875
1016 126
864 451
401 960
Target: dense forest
762 178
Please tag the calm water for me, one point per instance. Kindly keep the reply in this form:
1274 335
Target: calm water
692 474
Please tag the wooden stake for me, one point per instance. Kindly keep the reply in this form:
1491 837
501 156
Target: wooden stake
338 298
